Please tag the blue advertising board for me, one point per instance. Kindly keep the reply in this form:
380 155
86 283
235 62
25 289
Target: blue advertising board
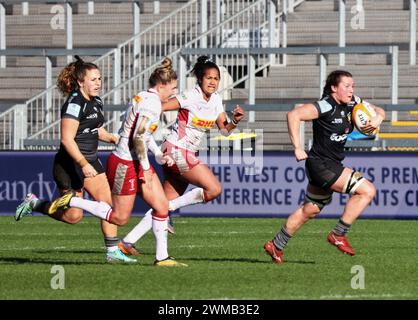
276 186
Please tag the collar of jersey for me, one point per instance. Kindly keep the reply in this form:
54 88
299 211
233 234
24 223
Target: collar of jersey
152 90
84 100
199 89
331 99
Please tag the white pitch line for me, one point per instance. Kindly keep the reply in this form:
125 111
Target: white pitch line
356 296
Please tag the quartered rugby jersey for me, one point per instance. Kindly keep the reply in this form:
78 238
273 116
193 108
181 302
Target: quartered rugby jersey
147 104
195 117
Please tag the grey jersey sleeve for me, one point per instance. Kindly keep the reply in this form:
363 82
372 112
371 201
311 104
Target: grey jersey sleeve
323 107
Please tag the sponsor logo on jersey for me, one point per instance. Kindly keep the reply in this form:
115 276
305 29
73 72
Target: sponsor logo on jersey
337 120
337 137
201 123
73 109
137 99
152 128
92 116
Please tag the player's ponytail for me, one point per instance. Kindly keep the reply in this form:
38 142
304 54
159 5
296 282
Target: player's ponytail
163 74
73 73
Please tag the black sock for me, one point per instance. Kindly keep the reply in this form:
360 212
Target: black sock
281 239
341 228
111 241
41 206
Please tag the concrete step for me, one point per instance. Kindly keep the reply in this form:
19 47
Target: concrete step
111 7
39 62
297 94
351 59
18 94
17 73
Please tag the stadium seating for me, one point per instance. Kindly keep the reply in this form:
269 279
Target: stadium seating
315 23
111 24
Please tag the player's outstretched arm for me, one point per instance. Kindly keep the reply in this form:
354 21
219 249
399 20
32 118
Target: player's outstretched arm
226 127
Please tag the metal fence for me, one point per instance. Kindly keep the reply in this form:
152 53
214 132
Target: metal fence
121 63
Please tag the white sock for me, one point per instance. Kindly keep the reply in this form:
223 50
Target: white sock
159 227
112 249
99 209
140 229
191 197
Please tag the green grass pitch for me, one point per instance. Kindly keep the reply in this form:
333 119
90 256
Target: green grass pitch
225 257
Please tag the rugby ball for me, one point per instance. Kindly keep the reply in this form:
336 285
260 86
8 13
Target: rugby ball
361 114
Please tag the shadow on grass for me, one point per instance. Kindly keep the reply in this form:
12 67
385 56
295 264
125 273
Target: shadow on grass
246 260
52 251
20 260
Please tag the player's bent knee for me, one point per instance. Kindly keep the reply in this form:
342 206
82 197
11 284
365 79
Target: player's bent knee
73 218
120 221
370 191
314 203
213 192
310 210
160 214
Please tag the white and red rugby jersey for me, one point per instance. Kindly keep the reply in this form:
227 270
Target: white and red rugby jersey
147 104
195 117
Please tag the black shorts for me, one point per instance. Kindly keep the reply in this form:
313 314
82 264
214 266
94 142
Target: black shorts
68 174
323 172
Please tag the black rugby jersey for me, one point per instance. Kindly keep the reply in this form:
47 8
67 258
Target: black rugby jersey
90 116
331 129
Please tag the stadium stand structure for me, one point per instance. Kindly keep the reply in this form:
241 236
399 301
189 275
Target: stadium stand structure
126 71
110 24
315 23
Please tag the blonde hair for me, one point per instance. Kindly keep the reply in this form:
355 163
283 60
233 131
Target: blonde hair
163 74
75 71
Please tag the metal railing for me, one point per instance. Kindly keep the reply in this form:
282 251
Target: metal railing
252 18
360 10
140 53
305 131
251 56
234 57
247 62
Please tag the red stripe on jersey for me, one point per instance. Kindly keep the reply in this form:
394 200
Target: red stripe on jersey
182 119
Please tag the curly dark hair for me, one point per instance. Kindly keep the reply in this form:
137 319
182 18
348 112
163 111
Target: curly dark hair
75 71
